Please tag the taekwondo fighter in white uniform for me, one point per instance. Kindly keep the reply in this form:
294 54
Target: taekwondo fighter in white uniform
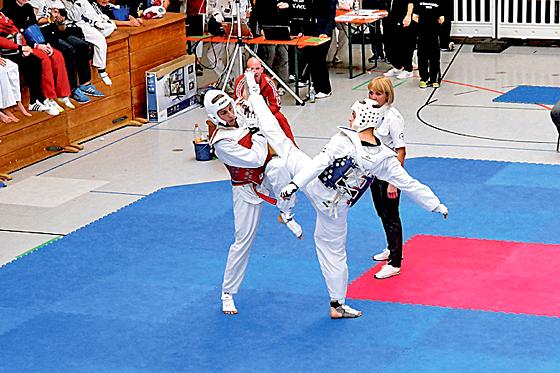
254 175
335 179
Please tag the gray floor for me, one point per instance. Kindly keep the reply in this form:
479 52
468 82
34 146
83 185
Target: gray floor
121 167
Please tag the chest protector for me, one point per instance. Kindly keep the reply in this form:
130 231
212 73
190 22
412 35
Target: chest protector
241 175
348 180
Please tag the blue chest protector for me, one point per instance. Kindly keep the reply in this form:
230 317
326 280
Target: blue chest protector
344 177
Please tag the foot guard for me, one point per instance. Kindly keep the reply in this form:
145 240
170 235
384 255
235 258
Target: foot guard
291 223
228 306
344 311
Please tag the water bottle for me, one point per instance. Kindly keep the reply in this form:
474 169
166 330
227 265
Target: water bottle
197 134
312 95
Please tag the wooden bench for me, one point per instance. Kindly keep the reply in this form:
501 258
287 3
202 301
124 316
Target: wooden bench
131 51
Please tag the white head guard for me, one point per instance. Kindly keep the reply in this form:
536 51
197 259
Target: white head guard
214 101
368 114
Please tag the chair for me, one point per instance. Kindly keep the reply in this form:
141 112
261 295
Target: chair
555 115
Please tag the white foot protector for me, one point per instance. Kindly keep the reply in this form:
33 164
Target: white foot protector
344 311
228 306
288 219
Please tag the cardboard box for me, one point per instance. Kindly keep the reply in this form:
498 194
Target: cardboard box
171 88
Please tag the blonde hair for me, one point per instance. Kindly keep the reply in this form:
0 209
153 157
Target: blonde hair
382 84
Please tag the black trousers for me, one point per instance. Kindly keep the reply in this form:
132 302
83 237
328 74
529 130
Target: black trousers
315 58
388 210
76 53
400 43
428 54
376 39
30 68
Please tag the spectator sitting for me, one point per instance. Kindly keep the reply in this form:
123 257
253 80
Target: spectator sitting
54 79
106 8
10 93
69 40
96 26
268 91
31 66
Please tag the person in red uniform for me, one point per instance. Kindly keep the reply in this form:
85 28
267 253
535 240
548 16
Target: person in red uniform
268 91
255 175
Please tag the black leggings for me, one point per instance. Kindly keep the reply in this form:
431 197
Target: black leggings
388 210
30 68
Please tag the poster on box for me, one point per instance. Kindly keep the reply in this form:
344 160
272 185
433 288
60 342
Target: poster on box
171 88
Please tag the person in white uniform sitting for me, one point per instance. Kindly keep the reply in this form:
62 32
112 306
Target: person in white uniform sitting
255 175
335 179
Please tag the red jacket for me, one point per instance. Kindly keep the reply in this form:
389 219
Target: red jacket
268 90
7 27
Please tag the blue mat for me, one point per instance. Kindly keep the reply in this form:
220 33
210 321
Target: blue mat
527 94
138 291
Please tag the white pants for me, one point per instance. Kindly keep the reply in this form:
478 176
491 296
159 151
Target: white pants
246 213
330 231
10 92
99 42
246 216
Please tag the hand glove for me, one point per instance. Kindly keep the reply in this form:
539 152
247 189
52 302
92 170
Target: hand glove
442 209
252 85
288 190
246 117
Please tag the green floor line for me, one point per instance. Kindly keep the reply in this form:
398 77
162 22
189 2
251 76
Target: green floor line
361 85
38 247
369 80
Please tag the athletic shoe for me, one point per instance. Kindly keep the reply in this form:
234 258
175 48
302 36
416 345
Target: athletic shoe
384 255
405 74
38 106
387 271
323 95
80 96
66 102
90 90
423 84
435 85
392 72
451 45
303 84
52 103
291 78
105 78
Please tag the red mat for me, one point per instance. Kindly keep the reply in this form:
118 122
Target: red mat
472 274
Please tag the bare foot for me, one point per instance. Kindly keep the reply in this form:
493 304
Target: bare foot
23 110
11 115
4 118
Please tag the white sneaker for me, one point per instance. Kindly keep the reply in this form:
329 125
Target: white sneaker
391 72
66 102
405 74
228 305
387 271
53 104
323 95
288 219
105 78
451 45
384 255
38 106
